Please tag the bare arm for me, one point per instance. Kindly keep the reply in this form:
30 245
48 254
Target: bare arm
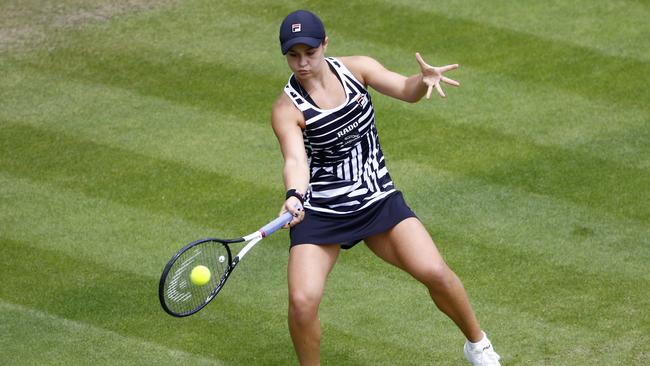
410 89
287 121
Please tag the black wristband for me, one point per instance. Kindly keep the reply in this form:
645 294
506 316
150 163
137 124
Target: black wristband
294 193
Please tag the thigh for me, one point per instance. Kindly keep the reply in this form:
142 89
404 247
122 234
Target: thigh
408 246
308 268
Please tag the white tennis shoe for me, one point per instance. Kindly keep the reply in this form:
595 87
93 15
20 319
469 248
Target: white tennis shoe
481 353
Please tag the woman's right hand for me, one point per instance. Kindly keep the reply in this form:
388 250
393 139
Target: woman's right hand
293 206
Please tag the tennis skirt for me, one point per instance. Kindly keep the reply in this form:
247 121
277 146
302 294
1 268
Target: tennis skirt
349 229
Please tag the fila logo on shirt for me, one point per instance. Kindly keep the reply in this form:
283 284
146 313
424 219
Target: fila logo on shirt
296 27
361 100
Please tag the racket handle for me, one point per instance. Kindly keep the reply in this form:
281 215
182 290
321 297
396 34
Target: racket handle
276 224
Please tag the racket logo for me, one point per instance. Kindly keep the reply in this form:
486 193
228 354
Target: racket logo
179 282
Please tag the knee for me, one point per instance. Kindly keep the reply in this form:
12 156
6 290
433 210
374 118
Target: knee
438 277
303 305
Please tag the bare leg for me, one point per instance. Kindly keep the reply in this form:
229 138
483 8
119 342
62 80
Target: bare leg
409 247
309 266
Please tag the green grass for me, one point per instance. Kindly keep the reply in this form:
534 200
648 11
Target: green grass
125 135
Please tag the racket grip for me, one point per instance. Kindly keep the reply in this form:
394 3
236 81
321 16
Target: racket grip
276 224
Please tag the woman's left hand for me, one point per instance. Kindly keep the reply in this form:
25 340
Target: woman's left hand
432 76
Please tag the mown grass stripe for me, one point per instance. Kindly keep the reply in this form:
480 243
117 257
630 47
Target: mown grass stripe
457 207
516 295
569 245
61 341
612 134
584 23
547 117
627 131
501 159
125 238
576 69
231 27
254 281
98 170
513 54
529 283
205 43
151 185
354 278
131 178
542 171
519 56
127 303
211 86
150 126
78 290
516 161
531 113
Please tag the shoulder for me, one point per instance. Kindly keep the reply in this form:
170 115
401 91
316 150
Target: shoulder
284 105
284 112
361 66
357 61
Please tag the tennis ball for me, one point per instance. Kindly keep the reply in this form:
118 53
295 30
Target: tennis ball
200 275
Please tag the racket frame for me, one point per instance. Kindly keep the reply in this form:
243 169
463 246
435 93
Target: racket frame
252 240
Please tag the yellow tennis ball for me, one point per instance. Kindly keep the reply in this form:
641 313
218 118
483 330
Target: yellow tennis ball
200 275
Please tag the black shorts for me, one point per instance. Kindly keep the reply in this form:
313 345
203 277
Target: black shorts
349 229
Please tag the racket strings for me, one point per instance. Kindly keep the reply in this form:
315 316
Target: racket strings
182 296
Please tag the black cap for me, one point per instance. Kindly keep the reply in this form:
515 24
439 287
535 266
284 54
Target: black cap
301 27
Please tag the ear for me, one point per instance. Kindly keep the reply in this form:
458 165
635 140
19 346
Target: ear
325 43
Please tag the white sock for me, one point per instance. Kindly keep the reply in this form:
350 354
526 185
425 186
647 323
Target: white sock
484 342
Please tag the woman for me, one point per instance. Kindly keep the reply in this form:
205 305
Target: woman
334 168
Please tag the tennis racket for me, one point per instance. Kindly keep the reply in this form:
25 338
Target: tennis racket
179 295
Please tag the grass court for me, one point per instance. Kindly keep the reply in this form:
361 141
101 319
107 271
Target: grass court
131 127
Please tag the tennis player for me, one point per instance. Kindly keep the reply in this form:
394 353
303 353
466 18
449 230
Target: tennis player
338 186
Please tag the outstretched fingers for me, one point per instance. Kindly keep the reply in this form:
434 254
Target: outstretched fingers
449 81
420 60
447 68
429 90
439 89
433 76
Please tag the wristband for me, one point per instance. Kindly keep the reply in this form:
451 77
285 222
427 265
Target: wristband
293 193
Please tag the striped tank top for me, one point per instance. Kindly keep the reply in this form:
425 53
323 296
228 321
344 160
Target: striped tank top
346 163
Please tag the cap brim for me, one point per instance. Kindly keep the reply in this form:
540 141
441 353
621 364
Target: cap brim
309 41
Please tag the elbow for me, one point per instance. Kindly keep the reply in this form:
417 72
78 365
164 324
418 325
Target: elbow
412 99
410 95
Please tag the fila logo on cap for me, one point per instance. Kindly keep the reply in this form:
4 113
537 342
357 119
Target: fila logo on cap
295 28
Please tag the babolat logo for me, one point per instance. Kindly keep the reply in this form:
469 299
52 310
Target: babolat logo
347 129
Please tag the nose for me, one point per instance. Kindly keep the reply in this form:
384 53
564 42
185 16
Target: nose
302 61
